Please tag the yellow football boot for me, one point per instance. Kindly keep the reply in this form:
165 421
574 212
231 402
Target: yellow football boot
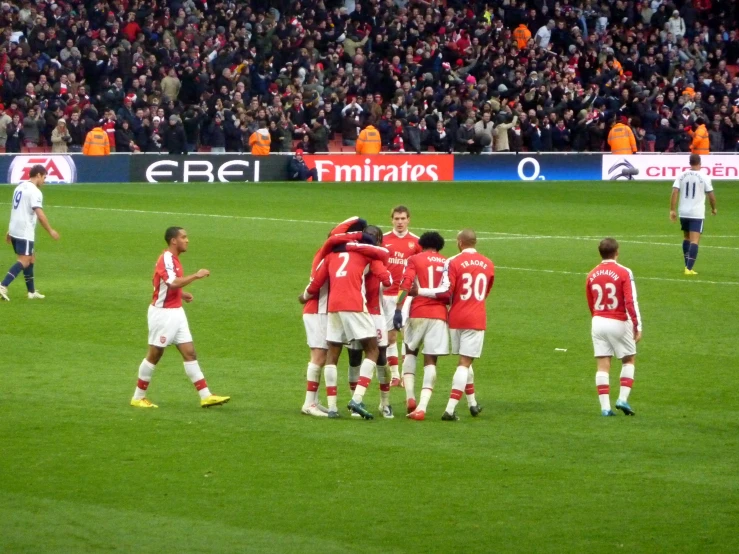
214 400
143 403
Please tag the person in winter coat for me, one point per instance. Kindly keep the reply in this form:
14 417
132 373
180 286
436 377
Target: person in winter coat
465 140
260 140
124 138
716 137
174 138
216 135
676 25
297 169
318 135
14 131
60 138
485 127
412 136
440 138
501 134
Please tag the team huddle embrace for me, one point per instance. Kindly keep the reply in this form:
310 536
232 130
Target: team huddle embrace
366 286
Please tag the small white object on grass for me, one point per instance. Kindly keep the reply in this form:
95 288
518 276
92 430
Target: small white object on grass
560 350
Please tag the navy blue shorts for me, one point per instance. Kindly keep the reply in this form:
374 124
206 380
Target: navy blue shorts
691 224
22 247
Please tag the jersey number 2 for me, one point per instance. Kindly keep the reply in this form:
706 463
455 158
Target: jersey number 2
341 272
17 199
610 292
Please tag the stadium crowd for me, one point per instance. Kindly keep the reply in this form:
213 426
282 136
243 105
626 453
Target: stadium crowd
462 76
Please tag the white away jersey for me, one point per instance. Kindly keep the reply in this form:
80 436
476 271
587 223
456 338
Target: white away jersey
26 198
693 187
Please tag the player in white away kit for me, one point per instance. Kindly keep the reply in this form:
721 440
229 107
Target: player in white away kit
691 188
25 210
168 322
616 326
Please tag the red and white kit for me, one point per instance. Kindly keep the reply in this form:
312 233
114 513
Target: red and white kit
167 319
611 294
468 278
348 317
427 323
378 275
401 248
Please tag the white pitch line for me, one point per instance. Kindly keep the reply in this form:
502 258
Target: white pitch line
556 271
627 241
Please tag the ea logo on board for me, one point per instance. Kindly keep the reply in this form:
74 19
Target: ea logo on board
59 169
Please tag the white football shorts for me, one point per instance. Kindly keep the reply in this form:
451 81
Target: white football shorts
315 330
433 333
168 326
467 342
379 322
344 327
612 337
388 310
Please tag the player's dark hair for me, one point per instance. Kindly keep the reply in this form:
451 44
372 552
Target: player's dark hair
171 233
608 248
376 232
431 240
400 210
37 169
700 121
695 159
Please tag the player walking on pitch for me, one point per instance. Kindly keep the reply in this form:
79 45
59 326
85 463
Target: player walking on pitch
467 278
616 326
402 244
25 210
691 188
168 322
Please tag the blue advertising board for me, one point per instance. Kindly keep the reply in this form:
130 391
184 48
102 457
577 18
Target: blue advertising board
528 167
65 168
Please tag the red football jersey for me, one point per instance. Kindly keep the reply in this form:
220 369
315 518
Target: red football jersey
611 293
378 275
426 270
468 278
168 268
344 272
401 248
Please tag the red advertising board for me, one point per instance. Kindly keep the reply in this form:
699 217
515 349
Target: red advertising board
383 167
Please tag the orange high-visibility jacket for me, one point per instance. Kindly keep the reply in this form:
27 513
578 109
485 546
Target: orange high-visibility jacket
96 143
369 141
521 35
700 144
621 139
260 142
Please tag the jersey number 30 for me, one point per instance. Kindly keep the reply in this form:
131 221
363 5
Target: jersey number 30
611 297
480 286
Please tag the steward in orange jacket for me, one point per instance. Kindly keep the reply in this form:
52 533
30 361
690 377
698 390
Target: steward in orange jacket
369 141
521 35
260 142
621 139
96 143
700 144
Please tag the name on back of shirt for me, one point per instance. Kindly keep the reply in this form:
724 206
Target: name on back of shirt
607 272
479 263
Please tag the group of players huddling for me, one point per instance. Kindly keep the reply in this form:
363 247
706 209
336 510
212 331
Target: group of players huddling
366 286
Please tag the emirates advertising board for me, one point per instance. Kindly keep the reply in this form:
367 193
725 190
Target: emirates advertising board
382 167
667 167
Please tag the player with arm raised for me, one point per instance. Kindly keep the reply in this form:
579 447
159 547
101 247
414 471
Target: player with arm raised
402 244
691 189
427 322
616 326
348 319
168 322
315 318
25 210
467 280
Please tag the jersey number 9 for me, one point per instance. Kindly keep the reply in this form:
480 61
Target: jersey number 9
17 199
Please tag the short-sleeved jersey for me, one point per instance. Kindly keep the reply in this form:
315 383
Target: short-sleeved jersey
426 270
168 268
345 273
693 186
611 293
401 248
26 198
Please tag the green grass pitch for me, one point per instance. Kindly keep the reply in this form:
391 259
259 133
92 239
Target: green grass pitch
540 471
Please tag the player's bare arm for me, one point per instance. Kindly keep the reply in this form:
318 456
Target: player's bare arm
45 223
712 200
181 282
673 204
187 297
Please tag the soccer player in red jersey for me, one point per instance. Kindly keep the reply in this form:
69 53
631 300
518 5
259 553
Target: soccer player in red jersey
168 322
427 323
315 317
348 318
402 244
467 279
616 326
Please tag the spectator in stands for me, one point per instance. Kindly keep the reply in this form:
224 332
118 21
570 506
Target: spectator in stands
5 120
700 143
124 138
33 125
60 138
260 140
621 139
501 131
318 135
716 137
369 141
96 143
465 140
298 170
174 138
484 132
14 131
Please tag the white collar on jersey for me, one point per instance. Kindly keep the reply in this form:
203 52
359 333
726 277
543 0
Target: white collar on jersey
608 261
469 251
401 236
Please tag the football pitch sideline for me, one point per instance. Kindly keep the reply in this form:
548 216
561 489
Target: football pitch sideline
539 471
